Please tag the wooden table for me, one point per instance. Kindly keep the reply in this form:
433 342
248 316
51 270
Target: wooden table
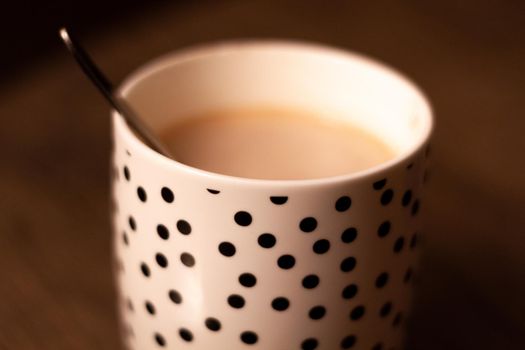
56 290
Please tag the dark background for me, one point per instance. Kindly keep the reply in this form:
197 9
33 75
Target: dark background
56 289
28 28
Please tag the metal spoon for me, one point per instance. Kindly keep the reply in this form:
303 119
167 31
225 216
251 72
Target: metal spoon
106 88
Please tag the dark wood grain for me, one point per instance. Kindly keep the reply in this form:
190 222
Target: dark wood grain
56 290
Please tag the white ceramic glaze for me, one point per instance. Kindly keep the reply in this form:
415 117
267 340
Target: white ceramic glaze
369 219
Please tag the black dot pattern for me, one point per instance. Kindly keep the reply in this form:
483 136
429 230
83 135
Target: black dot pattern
415 207
407 198
357 313
348 342
408 275
150 308
227 249
163 231
383 229
243 218
145 269
343 203
321 246
280 303
382 280
279 200
397 319
266 240
175 296
387 197
184 227
310 344
350 291
127 175
167 195
132 224
310 281
129 305
185 335
187 259
385 309
349 235
162 261
236 301
286 262
317 312
348 264
247 280
334 239
378 185
308 224
159 339
398 244
249 337
212 324
141 193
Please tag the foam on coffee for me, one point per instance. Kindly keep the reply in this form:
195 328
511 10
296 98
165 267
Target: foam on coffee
273 143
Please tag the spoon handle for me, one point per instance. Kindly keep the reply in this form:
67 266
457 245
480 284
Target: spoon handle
106 88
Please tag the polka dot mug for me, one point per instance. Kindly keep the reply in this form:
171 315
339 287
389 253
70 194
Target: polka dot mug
208 261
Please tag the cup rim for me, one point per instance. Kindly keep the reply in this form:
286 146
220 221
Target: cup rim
224 47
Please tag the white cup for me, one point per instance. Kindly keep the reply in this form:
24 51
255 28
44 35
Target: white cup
209 261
